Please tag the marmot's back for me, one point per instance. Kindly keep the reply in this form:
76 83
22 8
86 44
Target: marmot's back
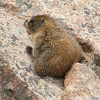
54 50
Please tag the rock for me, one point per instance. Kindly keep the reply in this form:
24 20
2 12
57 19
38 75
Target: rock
11 87
11 8
1 3
81 83
69 94
80 17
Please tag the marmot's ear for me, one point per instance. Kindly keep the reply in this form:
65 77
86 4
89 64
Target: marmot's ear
42 21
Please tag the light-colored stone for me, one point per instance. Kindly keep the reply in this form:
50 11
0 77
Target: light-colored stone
70 94
81 83
80 15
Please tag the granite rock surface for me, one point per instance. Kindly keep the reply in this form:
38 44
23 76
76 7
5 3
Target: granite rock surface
81 17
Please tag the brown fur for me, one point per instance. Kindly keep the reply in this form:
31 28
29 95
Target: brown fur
54 50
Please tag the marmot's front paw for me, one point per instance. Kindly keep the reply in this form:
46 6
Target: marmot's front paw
29 50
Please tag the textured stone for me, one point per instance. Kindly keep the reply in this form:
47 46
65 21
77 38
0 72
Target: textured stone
79 16
81 83
12 88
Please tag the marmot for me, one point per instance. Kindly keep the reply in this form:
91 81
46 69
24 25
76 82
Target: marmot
54 50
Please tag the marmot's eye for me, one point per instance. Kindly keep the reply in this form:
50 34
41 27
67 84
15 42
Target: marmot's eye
32 21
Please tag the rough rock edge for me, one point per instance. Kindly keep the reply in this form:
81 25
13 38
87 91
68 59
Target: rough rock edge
11 87
81 83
